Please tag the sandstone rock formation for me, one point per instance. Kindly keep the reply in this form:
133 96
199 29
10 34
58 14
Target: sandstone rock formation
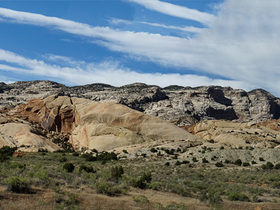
20 135
176 104
233 134
101 126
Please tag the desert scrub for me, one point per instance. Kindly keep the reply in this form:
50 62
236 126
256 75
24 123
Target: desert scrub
6 152
69 167
18 185
234 196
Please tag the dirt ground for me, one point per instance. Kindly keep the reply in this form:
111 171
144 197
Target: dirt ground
46 199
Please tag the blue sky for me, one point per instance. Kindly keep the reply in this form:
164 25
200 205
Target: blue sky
162 42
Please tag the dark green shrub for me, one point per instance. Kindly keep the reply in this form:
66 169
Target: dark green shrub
69 167
204 160
219 164
238 162
153 150
116 172
253 162
88 169
63 159
88 157
267 166
245 164
227 161
185 162
106 156
214 197
178 163
75 154
142 181
194 159
261 159
125 151
277 166
18 185
238 197
6 152
167 164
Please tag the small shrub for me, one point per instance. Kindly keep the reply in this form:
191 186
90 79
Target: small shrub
204 160
277 166
69 167
106 156
88 169
6 152
253 162
88 157
178 163
222 147
219 164
238 197
227 161
245 164
18 185
238 162
75 154
211 141
125 151
267 166
194 159
153 150
167 164
117 172
261 159
185 162
63 159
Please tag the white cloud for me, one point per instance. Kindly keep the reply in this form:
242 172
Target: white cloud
176 11
79 72
241 44
115 21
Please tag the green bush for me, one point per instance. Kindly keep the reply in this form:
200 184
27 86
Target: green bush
18 185
153 150
116 172
6 152
88 169
69 167
238 162
142 181
277 166
238 197
246 164
267 166
219 164
106 156
204 160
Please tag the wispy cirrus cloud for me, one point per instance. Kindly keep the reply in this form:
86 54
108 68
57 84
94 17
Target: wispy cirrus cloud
115 21
176 11
76 72
242 43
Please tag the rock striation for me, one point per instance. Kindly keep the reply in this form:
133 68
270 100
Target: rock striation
179 105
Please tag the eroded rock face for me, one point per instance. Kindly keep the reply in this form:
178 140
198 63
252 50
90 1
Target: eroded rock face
102 126
20 135
176 104
233 134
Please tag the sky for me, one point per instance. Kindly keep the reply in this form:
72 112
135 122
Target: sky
158 42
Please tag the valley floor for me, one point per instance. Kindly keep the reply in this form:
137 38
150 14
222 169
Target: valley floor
45 180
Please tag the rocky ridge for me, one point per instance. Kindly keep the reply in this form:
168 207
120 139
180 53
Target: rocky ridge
179 105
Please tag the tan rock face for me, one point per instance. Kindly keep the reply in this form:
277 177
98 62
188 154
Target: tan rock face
103 126
21 136
238 134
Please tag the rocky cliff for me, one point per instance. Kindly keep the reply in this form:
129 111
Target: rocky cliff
176 104
87 124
